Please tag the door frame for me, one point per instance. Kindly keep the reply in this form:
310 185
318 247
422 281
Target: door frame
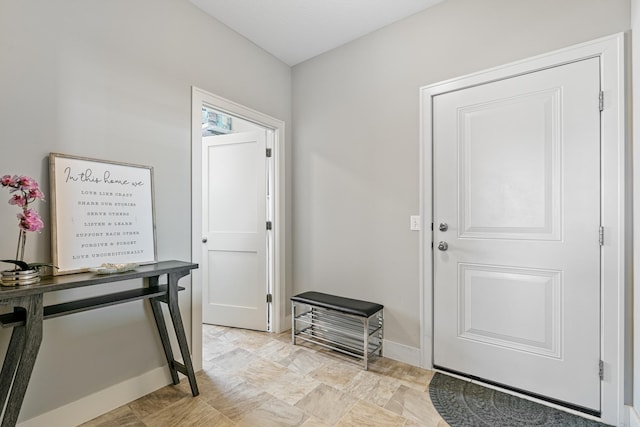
200 97
615 203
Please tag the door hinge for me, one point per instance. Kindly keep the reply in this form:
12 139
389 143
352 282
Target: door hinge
269 297
601 235
601 370
601 101
269 225
269 152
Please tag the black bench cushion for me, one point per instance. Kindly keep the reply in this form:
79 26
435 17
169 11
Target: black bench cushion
344 305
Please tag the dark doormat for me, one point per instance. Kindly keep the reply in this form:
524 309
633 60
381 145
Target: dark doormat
465 404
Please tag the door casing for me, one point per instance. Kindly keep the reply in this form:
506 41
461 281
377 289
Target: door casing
615 256
199 98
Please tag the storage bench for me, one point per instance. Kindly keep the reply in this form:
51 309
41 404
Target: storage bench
346 325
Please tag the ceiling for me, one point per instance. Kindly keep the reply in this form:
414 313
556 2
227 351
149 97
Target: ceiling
296 30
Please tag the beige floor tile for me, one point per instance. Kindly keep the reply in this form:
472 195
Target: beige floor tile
365 414
303 360
314 422
276 350
212 382
262 373
188 412
336 374
372 387
291 387
158 400
222 338
221 347
273 414
213 330
119 417
252 340
259 379
414 405
234 360
411 376
238 400
326 403
284 336
428 423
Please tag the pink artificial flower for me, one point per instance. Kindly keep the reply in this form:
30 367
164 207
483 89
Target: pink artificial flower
35 193
26 183
7 180
18 200
30 220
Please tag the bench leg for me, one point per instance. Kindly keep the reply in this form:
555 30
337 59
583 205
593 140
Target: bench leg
314 318
380 331
293 322
365 353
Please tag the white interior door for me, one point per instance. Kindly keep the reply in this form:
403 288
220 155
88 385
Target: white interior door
517 181
234 259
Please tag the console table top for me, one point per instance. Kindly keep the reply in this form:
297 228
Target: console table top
76 280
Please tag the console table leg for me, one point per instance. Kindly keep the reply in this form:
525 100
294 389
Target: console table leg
164 337
176 318
10 364
30 337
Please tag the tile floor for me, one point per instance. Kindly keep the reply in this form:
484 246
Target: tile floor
258 379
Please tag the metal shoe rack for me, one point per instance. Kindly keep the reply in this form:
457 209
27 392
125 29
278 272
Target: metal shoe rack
356 336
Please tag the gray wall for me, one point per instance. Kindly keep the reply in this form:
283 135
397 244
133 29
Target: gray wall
635 42
356 136
112 80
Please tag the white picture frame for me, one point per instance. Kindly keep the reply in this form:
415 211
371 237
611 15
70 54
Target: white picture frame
102 212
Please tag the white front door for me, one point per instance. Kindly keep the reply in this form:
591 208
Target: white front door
235 208
517 183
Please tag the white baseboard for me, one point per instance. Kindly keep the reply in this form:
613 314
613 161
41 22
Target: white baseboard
634 417
401 353
103 401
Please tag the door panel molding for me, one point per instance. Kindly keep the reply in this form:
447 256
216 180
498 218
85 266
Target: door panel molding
544 296
527 112
615 264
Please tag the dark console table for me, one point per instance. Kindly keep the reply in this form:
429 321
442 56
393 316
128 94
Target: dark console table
29 313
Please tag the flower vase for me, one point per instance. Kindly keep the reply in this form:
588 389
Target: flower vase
19 277
25 190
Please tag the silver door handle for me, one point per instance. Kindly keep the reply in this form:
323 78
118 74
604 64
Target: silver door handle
443 246
443 226
204 240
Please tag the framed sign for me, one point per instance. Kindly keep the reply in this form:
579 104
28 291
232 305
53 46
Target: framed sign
101 212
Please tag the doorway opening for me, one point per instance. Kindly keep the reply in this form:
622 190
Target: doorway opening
237 217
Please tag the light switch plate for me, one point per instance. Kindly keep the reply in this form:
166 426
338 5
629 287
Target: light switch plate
415 222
